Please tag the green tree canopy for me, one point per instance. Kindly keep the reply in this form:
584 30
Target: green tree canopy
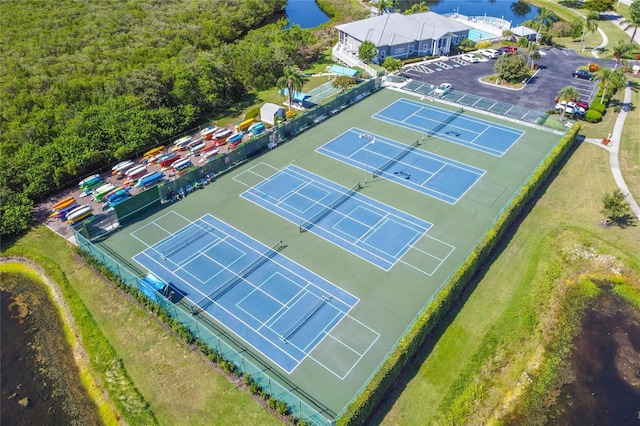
511 68
600 6
566 94
610 80
367 51
392 64
293 80
343 82
633 21
616 210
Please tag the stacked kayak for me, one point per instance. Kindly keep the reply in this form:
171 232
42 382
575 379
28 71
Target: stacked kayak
150 179
79 214
93 181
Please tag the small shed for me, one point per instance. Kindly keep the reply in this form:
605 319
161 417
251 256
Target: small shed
299 98
269 112
525 32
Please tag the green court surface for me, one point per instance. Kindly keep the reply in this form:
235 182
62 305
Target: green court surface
389 302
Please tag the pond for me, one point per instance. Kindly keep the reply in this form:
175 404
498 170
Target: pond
305 13
516 12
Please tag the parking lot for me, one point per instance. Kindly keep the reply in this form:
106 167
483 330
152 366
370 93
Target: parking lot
554 74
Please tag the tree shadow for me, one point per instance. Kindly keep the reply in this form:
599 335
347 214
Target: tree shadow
623 221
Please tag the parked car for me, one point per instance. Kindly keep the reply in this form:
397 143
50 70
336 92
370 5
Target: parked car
509 49
490 53
570 108
581 104
584 74
469 58
442 89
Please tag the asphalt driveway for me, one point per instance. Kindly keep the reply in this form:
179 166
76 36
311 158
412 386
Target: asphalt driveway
555 70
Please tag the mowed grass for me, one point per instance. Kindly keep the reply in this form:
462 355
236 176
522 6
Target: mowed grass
479 357
178 384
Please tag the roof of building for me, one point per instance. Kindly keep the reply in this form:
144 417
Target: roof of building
297 96
338 69
395 28
522 31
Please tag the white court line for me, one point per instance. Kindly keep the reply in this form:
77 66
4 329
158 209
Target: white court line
350 348
431 255
350 242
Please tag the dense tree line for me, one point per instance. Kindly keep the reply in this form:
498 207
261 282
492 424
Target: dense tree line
86 83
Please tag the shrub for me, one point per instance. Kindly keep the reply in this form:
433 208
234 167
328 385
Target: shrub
282 408
545 39
412 60
560 29
593 116
597 106
252 113
290 114
483 44
593 67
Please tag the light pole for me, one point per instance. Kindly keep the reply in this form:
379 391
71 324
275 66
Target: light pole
372 140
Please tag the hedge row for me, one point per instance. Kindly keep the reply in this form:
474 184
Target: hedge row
363 406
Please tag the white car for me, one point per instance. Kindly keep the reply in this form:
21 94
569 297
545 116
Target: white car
442 90
490 53
469 58
570 108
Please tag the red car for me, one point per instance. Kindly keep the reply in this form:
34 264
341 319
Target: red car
509 49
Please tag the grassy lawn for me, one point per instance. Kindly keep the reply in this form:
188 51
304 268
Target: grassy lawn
630 147
476 364
178 385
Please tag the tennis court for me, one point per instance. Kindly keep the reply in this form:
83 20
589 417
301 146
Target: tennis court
366 228
408 165
378 250
475 133
278 307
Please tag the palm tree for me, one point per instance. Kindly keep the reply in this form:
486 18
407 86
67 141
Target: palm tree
545 18
533 54
590 26
617 53
633 21
417 8
381 5
610 80
292 80
567 94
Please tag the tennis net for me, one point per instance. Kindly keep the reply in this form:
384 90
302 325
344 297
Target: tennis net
216 294
304 318
190 239
331 207
396 159
445 122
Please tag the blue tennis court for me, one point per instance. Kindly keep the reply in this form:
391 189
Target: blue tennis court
475 133
408 165
274 304
363 226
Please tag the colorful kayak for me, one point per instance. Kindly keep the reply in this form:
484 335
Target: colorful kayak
122 166
116 193
181 144
196 148
168 160
102 190
153 151
209 154
182 164
90 182
79 213
236 137
244 125
65 202
150 179
208 132
61 213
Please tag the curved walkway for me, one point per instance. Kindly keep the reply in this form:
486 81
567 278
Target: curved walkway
616 135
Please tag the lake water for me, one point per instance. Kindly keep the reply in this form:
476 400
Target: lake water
496 8
305 13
